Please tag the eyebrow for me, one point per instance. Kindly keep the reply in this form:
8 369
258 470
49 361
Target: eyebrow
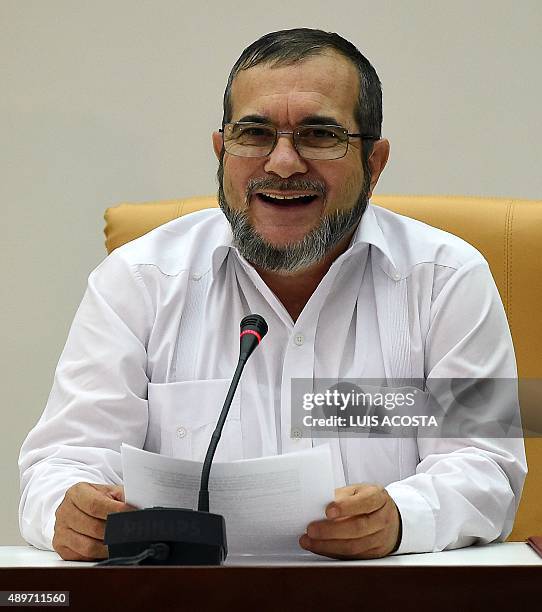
307 120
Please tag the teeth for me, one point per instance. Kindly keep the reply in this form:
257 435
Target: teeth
286 197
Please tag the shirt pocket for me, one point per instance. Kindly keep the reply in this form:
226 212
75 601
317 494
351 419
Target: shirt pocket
183 416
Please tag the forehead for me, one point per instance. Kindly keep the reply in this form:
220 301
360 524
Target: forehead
323 85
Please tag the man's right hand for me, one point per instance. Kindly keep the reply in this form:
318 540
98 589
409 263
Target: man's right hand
80 520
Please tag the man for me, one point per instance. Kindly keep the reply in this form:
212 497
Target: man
155 341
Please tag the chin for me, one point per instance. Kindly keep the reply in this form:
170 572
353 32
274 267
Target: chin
281 238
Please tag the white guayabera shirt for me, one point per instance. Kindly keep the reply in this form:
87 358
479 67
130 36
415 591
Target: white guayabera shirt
155 342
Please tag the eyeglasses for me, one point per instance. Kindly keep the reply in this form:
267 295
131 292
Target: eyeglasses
246 139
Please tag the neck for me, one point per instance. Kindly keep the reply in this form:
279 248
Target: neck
295 289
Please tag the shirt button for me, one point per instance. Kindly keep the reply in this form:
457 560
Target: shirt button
397 276
181 432
299 339
196 276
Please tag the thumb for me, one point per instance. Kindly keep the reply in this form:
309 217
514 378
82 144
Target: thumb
115 492
347 491
333 509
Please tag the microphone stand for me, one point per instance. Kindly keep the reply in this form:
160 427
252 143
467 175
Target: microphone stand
203 498
181 536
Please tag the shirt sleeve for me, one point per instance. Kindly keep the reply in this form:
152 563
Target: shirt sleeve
98 399
466 490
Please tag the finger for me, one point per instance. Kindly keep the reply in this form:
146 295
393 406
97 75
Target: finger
95 501
357 499
347 491
368 547
115 492
357 526
112 491
85 547
81 522
65 552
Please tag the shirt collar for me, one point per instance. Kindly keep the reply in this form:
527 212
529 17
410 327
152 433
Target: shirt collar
223 246
368 233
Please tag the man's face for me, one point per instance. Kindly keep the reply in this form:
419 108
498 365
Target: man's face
286 97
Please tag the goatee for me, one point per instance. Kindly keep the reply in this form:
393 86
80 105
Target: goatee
299 255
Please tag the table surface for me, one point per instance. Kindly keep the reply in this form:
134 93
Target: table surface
503 554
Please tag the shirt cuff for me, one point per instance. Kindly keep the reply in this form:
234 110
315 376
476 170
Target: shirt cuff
418 521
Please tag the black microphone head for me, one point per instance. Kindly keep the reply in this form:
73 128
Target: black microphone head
254 322
253 329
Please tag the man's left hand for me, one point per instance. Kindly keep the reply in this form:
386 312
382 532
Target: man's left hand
362 523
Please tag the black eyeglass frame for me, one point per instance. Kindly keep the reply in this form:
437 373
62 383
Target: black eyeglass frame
278 133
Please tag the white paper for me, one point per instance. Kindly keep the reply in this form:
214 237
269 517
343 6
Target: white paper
267 502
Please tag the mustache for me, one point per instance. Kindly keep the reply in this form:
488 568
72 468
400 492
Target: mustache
259 184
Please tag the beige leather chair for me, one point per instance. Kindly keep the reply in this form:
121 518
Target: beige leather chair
509 234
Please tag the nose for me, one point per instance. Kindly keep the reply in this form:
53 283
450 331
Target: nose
284 160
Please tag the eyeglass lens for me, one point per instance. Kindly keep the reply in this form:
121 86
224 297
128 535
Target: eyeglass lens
311 142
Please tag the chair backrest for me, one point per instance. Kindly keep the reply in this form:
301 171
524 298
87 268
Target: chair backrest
507 232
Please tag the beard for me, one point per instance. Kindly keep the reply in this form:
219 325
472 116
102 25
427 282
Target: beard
295 256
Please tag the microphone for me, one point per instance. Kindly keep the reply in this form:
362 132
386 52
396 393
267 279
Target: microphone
180 536
253 329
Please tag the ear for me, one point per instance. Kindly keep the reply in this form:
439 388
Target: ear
377 161
217 144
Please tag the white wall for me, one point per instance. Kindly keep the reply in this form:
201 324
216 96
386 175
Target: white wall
110 101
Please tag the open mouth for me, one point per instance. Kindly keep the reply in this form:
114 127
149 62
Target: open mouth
286 200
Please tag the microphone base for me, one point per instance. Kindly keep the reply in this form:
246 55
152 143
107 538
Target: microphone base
193 537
